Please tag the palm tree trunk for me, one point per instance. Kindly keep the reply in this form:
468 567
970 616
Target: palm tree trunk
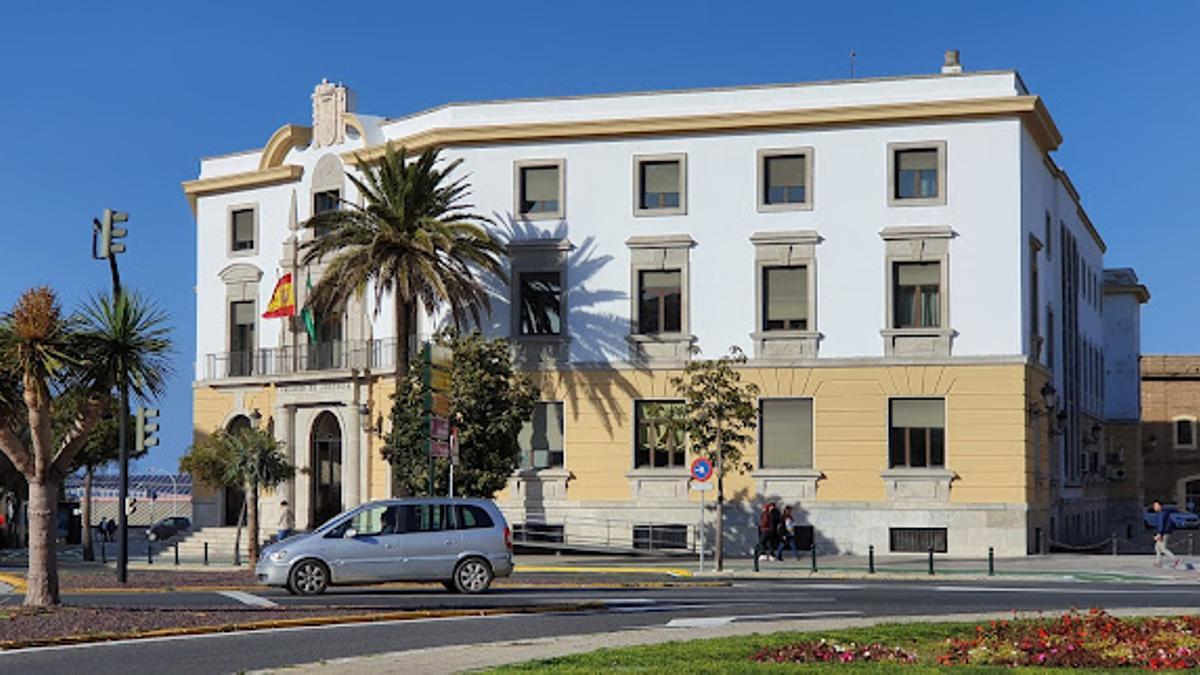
89 552
252 523
42 590
404 338
237 536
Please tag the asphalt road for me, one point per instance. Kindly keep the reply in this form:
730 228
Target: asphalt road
682 607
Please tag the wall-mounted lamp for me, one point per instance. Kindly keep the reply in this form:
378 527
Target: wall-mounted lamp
255 418
369 426
1048 404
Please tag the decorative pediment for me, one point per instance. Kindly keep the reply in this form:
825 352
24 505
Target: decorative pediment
240 273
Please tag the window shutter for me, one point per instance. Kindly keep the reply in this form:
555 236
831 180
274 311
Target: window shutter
785 171
653 281
787 293
787 433
922 413
919 274
660 176
541 184
918 160
243 313
243 225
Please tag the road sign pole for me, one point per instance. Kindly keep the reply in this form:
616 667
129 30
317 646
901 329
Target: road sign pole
701 532
427 376
451 480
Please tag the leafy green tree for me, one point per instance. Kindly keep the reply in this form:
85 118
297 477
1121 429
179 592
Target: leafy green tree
248 458
46 353
489 401
720 420
415 238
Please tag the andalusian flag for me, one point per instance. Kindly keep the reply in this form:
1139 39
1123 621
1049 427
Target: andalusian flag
283 300
307 315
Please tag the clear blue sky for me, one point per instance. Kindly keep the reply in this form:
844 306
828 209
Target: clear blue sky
113 104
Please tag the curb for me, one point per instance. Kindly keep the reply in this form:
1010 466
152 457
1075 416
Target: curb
17 582
401 586
584 569
311 621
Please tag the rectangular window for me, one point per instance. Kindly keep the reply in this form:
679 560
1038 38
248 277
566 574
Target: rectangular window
1049 338
660 302
540 190
916 292
785 298
660 436
329 200
916 174
917 539
541 303
541 438
1048 237
917 433
784 179
1185 433
785 428
242 226
241 338
659 185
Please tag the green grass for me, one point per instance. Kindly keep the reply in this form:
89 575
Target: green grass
732 654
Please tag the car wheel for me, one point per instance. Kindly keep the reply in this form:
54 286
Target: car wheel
472 575
309 577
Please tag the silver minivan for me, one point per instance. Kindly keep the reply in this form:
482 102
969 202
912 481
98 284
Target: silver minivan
463 543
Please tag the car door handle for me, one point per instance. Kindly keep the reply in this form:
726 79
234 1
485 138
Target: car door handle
449 542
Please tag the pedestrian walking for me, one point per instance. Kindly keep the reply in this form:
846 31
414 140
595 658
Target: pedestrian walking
768 531
1163 527
102 528
287 520
111 530
787 534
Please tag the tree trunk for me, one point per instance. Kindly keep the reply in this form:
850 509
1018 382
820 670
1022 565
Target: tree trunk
720 538
237 536
89 552
42 578
404 338
252 523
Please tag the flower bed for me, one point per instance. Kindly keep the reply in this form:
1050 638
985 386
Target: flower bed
827 652
1075 640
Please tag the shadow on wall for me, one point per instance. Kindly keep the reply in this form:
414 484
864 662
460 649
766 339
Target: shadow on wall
597 335
742 511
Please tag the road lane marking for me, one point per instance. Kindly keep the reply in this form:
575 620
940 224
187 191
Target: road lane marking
713 621
247 599
1072 590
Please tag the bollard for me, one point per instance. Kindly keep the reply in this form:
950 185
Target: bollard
206 554
103 553
1045 545
930 561
177 554
991 562
871 559
237 556
149 553
1114 539
814 557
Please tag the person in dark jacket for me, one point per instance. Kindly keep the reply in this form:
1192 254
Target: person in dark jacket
1163 527
768 532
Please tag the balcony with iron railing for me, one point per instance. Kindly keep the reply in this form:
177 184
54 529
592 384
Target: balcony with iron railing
302 358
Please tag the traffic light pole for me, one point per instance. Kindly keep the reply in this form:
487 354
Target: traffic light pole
122 447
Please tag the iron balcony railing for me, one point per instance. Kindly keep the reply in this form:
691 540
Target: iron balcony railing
303 358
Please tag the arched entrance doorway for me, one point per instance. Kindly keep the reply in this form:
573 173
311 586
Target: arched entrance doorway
326 444
235 498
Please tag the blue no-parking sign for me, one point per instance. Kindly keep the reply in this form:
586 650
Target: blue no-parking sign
701 469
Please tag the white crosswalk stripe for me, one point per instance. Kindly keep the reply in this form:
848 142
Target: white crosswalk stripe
248 599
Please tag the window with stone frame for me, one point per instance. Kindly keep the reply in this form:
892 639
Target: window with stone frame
242 323
541 437
540 189
785 179
917 173
785 298
323 201
785 433
917 433
660 302
660 185
242 230
916 294
540 303
659 440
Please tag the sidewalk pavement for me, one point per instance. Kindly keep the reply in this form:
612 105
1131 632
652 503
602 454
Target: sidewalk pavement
461 658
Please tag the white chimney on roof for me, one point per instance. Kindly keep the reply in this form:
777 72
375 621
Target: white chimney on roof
951 66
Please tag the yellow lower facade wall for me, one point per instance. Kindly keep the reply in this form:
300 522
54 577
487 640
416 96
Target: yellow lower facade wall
987 430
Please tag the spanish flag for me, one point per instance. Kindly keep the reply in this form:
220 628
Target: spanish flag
283 300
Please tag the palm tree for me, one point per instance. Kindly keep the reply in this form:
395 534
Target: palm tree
414 238
49 355
248 458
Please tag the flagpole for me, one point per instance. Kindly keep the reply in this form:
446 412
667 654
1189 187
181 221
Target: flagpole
295 285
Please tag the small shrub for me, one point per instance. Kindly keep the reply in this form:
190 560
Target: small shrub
826 652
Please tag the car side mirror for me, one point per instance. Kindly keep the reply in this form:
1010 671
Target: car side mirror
350 533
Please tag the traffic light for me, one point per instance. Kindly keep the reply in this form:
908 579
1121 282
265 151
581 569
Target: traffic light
147 428
104 227
130 505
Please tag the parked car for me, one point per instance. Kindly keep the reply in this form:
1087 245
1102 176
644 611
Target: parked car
1182 520
462 543
167 528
